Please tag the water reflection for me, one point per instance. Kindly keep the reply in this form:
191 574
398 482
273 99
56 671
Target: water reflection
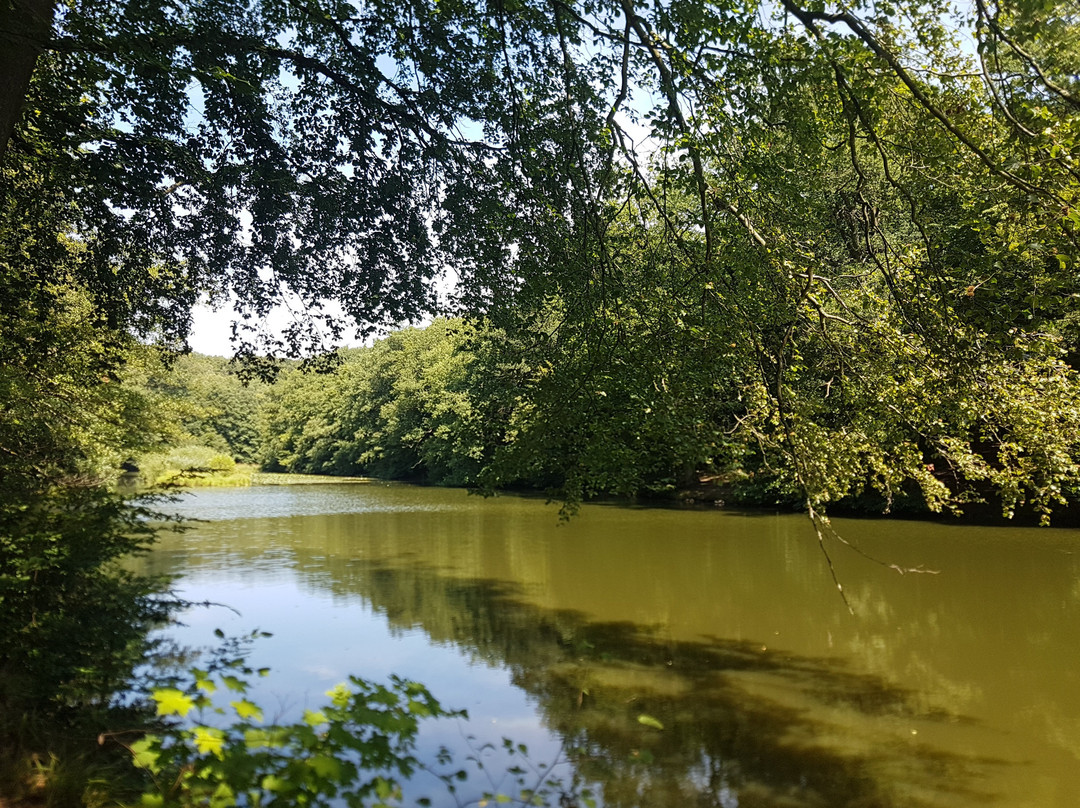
951 690
739 721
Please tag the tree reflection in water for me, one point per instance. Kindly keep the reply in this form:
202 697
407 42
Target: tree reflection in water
742 725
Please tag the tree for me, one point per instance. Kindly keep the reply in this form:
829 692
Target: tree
206 399
413 406
867 236
292 150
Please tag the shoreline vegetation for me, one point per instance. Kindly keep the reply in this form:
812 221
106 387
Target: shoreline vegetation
438 406
708 492
243 476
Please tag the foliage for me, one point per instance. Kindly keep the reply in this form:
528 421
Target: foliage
63 411
191 465
73 618
205 400
74 621
412 406
845 266
358 749
842 260
825 248
350 749
279 151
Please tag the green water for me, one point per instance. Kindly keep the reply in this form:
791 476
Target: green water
959 688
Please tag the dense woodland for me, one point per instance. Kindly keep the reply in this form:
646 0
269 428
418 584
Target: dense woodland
831 245
437 405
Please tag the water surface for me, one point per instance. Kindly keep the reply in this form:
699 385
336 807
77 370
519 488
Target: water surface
953 689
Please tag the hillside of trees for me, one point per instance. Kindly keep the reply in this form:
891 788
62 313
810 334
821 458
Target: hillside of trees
440 405
445 405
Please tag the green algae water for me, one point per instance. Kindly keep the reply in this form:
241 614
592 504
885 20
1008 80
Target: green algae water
692 658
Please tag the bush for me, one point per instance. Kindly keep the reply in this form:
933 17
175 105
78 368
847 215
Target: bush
358 749
222 462
163 467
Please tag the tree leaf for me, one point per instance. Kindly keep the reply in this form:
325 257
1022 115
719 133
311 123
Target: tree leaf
171 701
246 709
649 721
208 739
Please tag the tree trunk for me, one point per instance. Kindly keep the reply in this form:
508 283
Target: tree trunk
25 27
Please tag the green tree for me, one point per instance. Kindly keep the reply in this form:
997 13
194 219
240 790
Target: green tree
291 149
413 406
211 404
863 235
835 179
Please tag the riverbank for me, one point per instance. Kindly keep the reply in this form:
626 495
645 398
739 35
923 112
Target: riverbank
242 475
732 491
738 492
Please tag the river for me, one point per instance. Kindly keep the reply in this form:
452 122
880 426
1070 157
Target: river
693 658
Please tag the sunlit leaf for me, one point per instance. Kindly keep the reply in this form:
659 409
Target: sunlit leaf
325 766
314 718
143 754
339 695
171 701
223 796
246 709
273 783
649 721
208 739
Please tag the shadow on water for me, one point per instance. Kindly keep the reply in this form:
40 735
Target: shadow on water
741 725
948 690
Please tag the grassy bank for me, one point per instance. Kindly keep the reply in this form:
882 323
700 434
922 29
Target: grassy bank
283 478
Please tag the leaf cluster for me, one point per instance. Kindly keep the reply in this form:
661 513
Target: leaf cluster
350 751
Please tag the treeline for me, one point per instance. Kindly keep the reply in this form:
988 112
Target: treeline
435 405
416 405
447 404
462 404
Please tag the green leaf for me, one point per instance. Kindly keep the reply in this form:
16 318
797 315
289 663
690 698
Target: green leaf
649 721
208 739
144 755
234 684
171 701
419 708
258 738
325 766
246 709
223 797
315 718
384 789
339 694
273 784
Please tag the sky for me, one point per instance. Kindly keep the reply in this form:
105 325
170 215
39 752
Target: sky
211 329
